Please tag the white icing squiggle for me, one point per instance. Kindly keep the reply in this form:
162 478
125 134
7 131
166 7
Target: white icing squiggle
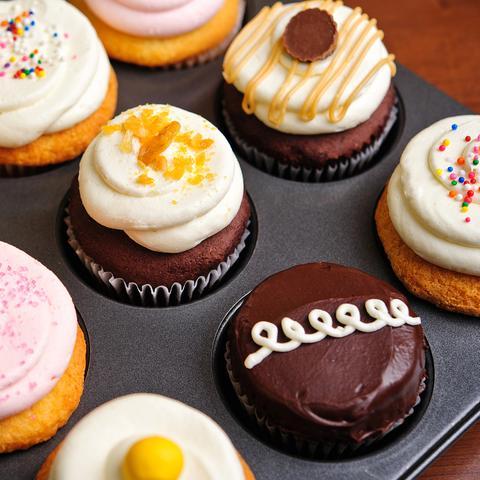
347 314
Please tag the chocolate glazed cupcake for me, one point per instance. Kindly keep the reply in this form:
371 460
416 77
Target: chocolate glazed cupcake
159 213
308 93
328 358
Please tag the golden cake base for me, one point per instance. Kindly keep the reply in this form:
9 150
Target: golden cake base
41 421
59 147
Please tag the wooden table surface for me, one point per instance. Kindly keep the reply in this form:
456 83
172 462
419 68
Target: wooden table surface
440 41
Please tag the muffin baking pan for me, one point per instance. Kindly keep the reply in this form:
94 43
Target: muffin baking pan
175 351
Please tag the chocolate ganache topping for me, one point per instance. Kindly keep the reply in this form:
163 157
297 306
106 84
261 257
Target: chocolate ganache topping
338 389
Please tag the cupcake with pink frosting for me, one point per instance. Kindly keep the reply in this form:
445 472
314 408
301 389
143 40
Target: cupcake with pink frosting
42 352
164 33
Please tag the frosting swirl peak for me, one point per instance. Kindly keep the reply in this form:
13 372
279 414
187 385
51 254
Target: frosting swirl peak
155 18
54 71
38 326
434 197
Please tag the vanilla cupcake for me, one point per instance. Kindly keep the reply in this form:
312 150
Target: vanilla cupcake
159 213
164 33
57 86
428 217
308 93
42 352
144 436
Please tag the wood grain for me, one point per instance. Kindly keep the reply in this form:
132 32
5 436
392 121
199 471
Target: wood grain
440 41
437 39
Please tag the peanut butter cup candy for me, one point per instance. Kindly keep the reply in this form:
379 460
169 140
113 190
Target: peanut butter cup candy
159 213
327 358
308 93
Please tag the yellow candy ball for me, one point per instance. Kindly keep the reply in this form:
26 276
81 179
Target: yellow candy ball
153 458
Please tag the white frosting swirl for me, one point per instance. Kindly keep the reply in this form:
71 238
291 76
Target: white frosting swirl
247 67
94 449
347 314
76 70
426 208
168 215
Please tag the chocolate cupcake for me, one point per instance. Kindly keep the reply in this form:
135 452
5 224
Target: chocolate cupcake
308 93
159 213
328 358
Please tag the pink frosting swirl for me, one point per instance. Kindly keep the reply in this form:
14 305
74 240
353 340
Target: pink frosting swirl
153 5
38 327
155 18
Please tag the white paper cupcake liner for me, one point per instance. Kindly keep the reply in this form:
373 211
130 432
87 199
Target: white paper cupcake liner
334 170
214 52
301 446
147 295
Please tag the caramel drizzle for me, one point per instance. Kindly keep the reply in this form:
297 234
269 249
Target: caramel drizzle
260 29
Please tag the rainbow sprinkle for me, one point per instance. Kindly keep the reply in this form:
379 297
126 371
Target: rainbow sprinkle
465 185
23 46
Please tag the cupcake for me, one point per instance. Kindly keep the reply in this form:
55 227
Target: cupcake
57 86
327 358
428 217
145 436
164 33
308 92
159 213
42 352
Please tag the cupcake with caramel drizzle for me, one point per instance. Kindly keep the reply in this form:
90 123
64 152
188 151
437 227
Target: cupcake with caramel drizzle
308 92
159 213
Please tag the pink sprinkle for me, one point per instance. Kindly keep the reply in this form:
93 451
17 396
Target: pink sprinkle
2 74
66 35
24 58
471 175
442 148
453 176
468 219
475 150
3 45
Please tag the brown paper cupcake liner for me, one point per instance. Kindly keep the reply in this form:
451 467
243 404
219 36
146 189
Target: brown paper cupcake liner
15 171
214 52
147 295
299 445
334 170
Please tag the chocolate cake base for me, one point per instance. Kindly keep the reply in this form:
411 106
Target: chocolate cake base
308 151
118 254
